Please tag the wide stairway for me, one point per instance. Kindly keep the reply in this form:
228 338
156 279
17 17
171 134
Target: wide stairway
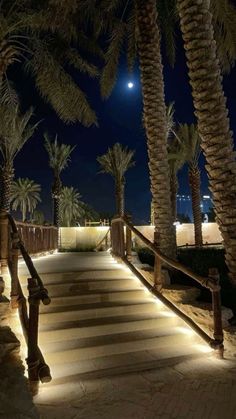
102 321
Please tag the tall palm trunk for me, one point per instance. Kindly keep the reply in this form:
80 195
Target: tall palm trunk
23 211
119 193
195 183
155 121
56 193
173 193
212 115
6 177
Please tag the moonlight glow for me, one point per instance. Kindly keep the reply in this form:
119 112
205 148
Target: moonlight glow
130 85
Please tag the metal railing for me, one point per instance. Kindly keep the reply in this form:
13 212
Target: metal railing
10 246
121 243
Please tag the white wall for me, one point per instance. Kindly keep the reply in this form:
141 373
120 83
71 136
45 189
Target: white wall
87 238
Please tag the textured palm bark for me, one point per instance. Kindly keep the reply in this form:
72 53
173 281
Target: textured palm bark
6 177
212 115
173 193
120 200
56 193
195 182
155 122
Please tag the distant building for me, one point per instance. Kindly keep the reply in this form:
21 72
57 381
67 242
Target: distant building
184 204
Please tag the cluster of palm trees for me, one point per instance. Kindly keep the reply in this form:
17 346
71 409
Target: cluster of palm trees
48 38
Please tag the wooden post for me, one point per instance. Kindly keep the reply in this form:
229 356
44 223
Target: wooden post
4 242
2 286
128 241
157 265
217 315
121 239
13 261
33 359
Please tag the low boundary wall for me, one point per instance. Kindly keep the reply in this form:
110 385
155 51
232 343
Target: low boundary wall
87 238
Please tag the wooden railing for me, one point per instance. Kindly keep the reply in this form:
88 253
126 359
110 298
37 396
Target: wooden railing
105 241
11 244
37 238
121 242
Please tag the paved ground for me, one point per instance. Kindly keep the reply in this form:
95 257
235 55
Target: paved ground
203 388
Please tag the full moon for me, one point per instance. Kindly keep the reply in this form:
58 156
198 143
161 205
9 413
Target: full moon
130 85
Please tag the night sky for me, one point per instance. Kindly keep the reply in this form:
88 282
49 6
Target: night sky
120 120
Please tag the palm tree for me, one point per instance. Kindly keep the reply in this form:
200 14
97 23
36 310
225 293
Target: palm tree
59 157
38 217
47 40
71 206
176 159
15 131
137 24
210 109
190 150
25 196
116 162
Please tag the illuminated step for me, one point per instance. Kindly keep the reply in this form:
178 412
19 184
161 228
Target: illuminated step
127 343
80 286
68 373
86 311
51 332
77 297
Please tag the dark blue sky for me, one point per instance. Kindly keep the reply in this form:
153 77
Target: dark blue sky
120 120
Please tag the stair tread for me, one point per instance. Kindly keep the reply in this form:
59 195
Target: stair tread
120 363
94 306
103 321
91 348
111 339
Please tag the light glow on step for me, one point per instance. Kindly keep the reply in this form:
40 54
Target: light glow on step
168 313
186 330
204 348
158 302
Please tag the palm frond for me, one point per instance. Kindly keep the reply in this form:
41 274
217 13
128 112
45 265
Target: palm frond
190 143
116 161
8 94
224 22
167 18
112 55
59 154
76 60
131 40
15 131
57 87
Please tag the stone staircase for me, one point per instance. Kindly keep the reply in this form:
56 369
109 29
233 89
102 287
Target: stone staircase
102 321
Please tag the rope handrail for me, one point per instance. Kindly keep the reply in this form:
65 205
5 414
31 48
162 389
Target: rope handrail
43 293
204 281
122 248
23 224
104 238
38 370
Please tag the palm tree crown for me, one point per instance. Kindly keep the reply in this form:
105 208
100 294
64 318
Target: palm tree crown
47 40
116 162
25 196
59 154
71 206
190 141
59 157
15 131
